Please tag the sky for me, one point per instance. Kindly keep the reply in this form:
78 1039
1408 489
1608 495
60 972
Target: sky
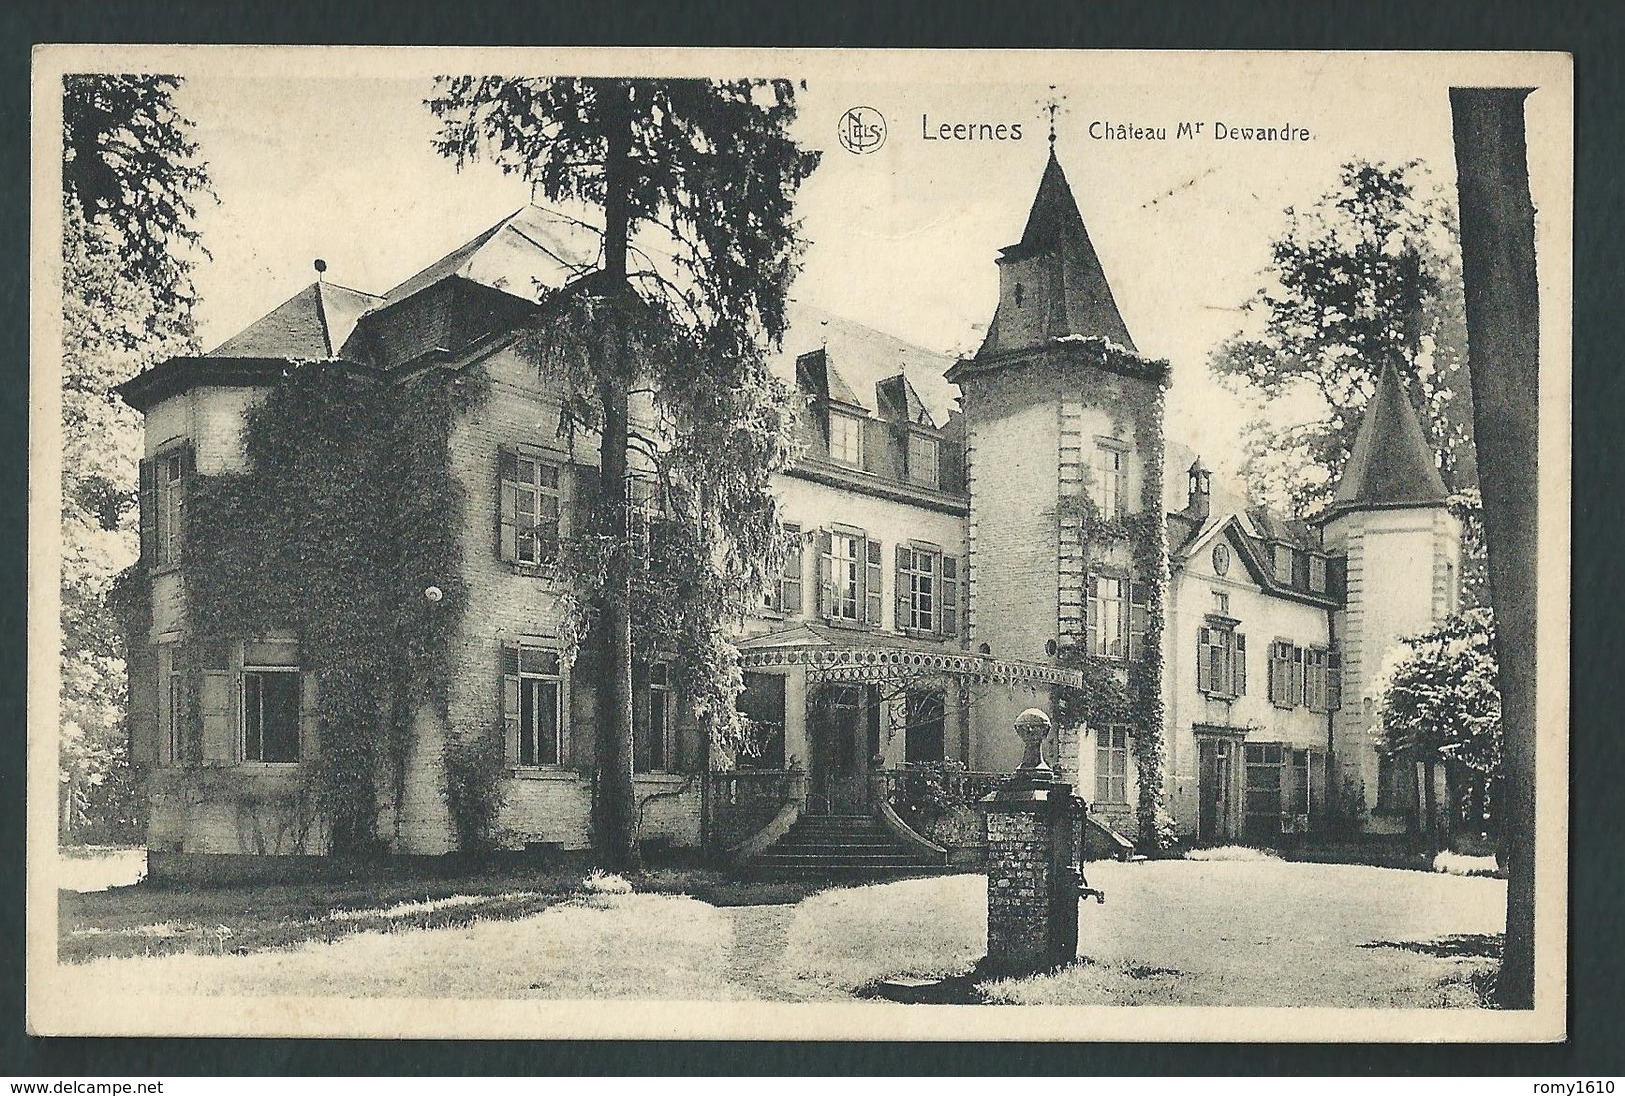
331 158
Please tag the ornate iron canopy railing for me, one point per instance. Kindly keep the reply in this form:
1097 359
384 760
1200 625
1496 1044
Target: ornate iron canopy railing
865 664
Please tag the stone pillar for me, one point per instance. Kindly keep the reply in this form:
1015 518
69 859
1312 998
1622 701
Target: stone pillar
1032 863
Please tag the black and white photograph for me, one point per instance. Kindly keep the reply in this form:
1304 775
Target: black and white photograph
799 544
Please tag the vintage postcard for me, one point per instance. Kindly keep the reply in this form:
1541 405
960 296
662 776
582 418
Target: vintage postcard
799 544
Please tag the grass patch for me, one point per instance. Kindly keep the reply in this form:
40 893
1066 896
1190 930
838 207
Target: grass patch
1088 982
147 920
583 947
853 937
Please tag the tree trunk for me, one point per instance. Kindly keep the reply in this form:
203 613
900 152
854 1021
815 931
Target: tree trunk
1503 344
614 806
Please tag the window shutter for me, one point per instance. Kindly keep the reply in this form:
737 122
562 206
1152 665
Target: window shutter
826 575
1239 672
1138 614
510 703
1295 678
950 596
872 588
507 506
188 474
1334 680
148 478
309 716
1204 666
214 700
1091 614
900 585
790 582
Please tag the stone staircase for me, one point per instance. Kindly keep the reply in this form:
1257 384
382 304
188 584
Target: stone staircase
839 846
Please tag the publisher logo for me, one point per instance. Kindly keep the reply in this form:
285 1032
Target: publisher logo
861 130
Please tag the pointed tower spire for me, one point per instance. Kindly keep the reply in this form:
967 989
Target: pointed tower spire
1051 283
1391 464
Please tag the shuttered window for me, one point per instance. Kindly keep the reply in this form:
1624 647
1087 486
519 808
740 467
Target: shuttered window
785 594
163 482
950 595
918 589
845 567
532 705
1334 680
1221 661
528 509
846 438
1314 679
271 703
923 460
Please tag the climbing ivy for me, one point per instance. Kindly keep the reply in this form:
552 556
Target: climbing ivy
1135 404
346 514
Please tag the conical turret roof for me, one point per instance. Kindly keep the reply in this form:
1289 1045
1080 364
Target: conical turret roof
1392 463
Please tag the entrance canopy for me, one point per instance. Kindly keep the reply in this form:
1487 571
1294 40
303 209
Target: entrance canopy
835 655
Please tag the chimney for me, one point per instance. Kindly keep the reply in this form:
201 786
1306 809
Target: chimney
1201 491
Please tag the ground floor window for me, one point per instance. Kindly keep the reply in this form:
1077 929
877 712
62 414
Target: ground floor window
270 702
762 703
651 738
533 705
924 739
1111 765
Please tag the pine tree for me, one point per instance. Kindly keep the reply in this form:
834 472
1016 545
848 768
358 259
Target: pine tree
700 174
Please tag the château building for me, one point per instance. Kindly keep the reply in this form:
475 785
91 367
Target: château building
970 539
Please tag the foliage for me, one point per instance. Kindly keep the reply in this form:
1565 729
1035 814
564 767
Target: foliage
695 179
130 167
126 297
348 511
1441 699
473 769
1367 274
1132 697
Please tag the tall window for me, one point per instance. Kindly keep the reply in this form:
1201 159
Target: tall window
270 703
175 725
924 739
1314 679
917 588
922 459
1108 618
762 705
652 739
847 562
1286 674
171 500
1110 473
1221 660
1111 765
530 509
846 438
532 705
785 594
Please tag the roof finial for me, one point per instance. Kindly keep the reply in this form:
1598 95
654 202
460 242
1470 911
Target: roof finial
321 268
1052 106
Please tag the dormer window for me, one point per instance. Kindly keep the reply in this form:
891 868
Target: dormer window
846 438
1283 563
923 460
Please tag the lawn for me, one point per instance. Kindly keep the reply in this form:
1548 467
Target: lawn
1222 932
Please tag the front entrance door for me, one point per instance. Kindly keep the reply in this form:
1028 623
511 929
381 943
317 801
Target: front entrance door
837 772
1215 787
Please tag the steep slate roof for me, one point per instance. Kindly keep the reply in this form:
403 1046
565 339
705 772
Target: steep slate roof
1078 299
1391 464
524 254
858 358
311 324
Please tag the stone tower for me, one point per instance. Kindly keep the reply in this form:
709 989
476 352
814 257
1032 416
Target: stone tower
1402 550
1059 407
